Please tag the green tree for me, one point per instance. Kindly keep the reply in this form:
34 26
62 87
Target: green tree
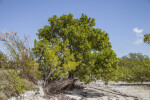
147 38
134 68
71 47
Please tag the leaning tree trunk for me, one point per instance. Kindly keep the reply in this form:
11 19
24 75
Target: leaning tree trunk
58 85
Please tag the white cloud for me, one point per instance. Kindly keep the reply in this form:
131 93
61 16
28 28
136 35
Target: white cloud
136 30
139 36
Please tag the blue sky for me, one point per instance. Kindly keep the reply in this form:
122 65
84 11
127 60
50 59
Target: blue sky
126 21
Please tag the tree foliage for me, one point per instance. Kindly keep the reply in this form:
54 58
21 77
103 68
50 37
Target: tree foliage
147 38
72 47
134 68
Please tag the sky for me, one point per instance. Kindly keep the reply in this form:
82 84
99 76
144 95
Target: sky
126 21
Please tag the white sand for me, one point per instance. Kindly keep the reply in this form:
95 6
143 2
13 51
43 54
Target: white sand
97 91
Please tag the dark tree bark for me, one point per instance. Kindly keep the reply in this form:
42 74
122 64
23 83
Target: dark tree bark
58 85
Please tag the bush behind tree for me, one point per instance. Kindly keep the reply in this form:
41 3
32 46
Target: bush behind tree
134 68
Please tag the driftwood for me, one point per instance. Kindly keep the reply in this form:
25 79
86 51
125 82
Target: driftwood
58 85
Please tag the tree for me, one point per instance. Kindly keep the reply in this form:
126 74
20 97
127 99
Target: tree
134 68
73 48
147 38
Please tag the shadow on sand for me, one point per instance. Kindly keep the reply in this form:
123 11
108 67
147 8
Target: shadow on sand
131 84
86 93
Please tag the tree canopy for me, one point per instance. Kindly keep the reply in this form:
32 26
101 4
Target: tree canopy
134 67
147 38
72 47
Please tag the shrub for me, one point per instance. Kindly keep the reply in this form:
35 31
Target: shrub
3 96
20 55
12 84
3 60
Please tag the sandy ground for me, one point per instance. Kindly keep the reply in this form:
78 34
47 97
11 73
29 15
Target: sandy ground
125 90
95 91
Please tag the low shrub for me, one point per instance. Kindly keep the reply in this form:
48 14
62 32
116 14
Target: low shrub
12 84
3 96
20 55
3 60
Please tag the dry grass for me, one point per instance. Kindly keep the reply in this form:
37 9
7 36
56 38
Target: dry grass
17 48
16 77
20 54
3 60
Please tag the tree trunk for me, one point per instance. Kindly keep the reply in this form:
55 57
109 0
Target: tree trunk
58 85
141 81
